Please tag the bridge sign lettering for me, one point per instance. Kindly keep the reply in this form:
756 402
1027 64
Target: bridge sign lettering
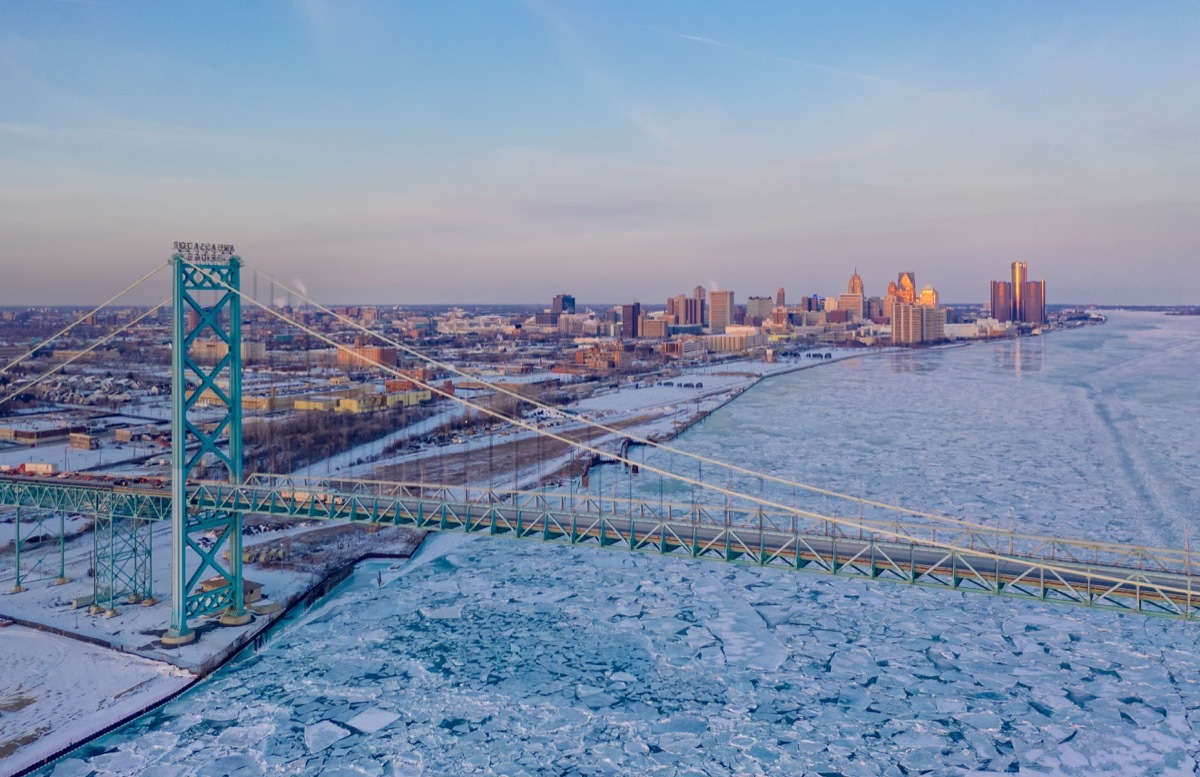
204 252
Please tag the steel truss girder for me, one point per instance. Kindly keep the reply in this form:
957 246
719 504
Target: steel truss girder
1145 583
540 517
48 494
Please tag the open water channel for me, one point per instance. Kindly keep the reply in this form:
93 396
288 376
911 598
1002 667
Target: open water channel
498 657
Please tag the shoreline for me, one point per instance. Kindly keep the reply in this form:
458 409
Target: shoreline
255 641
699 417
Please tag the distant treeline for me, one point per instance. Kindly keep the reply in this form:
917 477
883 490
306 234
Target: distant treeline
1177 310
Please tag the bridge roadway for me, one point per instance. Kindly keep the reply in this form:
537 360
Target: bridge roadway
1103 575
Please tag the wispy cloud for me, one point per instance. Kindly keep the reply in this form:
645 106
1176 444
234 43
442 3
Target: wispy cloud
156 134
571 47
855 75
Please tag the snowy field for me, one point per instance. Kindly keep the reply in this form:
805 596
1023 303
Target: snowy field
65 689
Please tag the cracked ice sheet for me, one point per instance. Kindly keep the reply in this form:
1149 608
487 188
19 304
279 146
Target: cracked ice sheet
569 658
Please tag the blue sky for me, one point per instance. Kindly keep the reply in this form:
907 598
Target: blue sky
506 151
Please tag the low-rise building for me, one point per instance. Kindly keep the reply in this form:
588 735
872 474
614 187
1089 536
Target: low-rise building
84 441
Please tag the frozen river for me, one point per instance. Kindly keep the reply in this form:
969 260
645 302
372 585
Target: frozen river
497 657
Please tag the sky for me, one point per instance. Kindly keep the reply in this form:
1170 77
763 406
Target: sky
505 151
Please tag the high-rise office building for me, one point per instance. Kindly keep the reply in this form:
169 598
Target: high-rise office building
1019 273
759 308
1035 302
1002 301
929 297
652 328
720 314
685 311
933 323
852 304
906 323
852 300
1020 299
630 315
780 299
699 294
913 323
563 303
906 287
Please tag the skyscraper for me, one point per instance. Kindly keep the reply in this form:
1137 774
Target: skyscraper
852 300
913 323
1020 299
563 303
906 323
1019 271
685 311
1035 302
780 299
720 313
906 286
630 315
759 308
1002 301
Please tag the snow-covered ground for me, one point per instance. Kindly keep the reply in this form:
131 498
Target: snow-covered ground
56 690
362 460
68 459
52 527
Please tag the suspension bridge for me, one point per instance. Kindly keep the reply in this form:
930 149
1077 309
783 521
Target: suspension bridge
722 522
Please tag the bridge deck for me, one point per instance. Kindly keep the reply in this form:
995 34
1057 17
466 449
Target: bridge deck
1103 575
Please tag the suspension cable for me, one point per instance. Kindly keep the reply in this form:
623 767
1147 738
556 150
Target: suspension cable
30 384
85 317
636 438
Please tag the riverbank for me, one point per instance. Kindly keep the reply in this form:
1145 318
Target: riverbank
76 677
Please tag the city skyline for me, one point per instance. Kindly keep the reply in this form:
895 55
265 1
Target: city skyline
422 155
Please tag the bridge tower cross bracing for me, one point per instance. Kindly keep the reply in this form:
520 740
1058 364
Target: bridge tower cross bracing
30 540
214 441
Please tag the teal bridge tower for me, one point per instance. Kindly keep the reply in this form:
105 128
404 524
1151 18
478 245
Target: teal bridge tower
207 303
